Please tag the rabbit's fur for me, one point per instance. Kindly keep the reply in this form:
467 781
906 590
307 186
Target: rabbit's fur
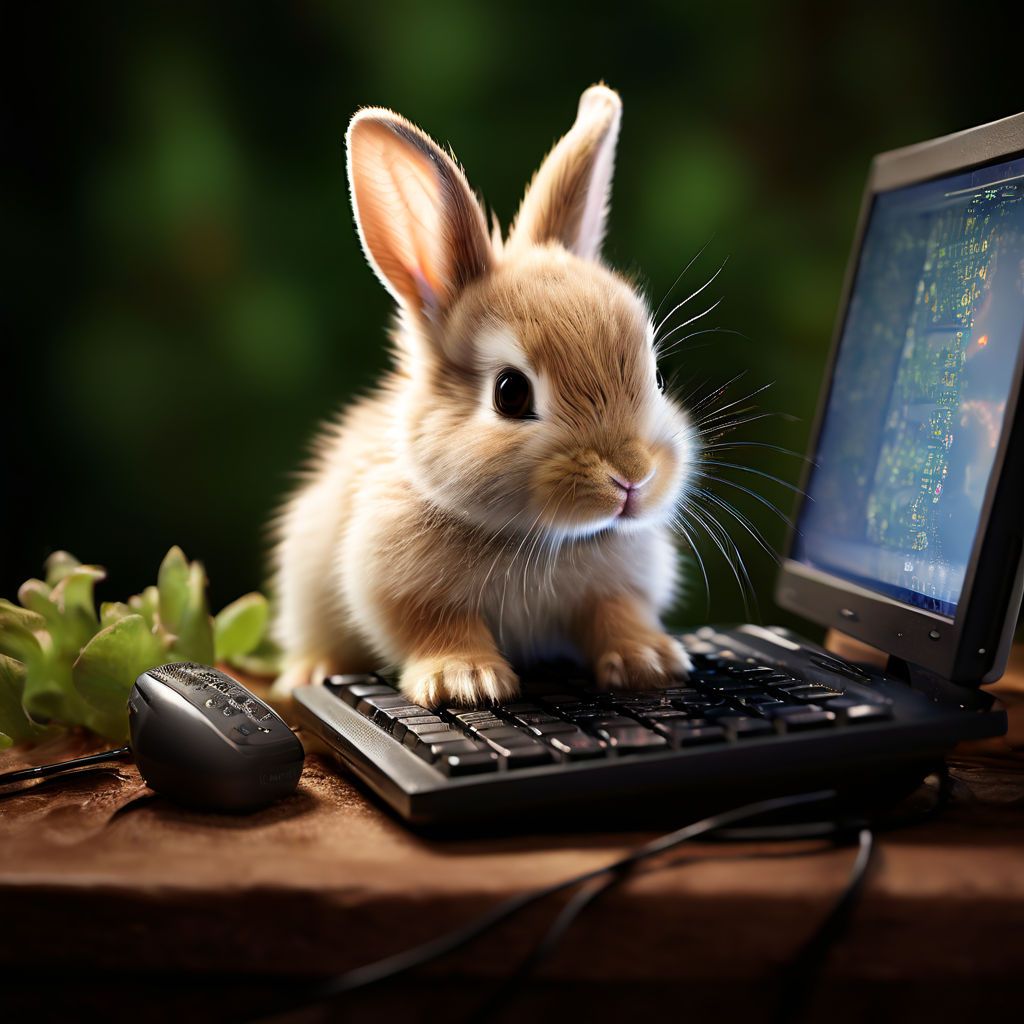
433 533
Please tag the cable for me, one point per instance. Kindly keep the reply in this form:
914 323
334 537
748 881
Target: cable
800 977
45 771
433 949
832 830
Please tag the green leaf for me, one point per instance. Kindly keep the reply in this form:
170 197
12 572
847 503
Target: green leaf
49 695
147 604
18 628
172 583
73 596
13 615
111 611
108 665
266 660
15 725
239 627
58 565
194 636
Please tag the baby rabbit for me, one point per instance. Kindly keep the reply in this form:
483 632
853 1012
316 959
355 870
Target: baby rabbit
506 494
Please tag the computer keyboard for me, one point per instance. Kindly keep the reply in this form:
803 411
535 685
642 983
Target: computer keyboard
562 719
762 713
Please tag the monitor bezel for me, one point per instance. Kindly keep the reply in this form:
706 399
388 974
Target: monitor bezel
971 648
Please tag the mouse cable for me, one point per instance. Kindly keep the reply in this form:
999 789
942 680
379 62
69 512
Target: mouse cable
45 771
801 975
399 963
587 896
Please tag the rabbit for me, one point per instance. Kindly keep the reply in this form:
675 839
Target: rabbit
506 493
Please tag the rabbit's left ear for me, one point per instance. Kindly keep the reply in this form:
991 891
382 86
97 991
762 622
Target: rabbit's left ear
567 201
422 229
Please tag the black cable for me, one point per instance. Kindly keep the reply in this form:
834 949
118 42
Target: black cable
45 771
801 975
587 896
433 949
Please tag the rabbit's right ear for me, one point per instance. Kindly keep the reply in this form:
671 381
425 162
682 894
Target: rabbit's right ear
422 229
567 201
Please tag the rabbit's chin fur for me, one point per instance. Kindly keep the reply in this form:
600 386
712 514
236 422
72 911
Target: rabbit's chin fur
435 534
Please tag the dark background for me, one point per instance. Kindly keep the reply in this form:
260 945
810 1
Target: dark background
188 295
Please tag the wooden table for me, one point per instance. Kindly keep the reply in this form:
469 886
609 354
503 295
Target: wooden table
115 903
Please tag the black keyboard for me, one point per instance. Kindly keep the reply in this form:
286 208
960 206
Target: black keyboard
565 719
745 719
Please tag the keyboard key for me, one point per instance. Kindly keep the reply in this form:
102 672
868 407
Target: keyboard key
857 713
402 725
661 715
751 671
698 704
584 715
433 747
468 717
735 686
760 704
368 705
506 742
797 720
500 731
576 746
352 694
809 693
526 757
455 765
534 717
743 727
632 739
561 699
544 729
717 714
386 717
521 709
414 729
691 734
609 721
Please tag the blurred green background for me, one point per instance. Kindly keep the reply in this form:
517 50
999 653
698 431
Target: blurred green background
189 298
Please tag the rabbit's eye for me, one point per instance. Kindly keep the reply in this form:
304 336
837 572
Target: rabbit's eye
659 380
513 396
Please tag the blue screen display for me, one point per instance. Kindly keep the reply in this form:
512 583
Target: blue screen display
925 369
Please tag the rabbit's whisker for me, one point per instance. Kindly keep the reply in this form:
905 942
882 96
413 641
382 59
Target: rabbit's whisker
724 445
721 539
736 514
659 351
680 523
693 259
739 401
693 319
724 428
692 295
746 490
756 472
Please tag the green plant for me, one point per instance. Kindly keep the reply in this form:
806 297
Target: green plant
62 664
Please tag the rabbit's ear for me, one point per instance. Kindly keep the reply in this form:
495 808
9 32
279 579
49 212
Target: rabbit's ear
422 229
567 201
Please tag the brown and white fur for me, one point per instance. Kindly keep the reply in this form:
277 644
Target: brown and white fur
435 534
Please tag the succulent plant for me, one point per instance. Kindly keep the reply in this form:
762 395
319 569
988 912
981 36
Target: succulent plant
62 664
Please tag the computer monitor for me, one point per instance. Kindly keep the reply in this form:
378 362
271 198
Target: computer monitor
911 446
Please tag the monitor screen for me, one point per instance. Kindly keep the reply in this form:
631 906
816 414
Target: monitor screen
925 369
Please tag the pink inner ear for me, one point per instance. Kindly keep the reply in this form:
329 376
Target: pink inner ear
399 208
418 203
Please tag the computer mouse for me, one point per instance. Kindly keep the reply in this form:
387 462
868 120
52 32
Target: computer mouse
202 739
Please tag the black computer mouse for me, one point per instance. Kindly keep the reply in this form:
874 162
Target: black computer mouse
201 738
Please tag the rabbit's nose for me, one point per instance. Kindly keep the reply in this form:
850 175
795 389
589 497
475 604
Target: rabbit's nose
632 483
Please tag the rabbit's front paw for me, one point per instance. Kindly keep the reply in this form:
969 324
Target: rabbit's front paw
643 661
441 680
